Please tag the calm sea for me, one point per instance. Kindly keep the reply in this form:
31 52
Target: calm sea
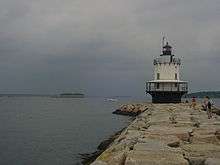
53 131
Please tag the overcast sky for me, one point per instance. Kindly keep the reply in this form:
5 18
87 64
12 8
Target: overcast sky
105 47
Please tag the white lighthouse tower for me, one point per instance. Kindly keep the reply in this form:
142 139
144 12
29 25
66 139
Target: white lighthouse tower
166 86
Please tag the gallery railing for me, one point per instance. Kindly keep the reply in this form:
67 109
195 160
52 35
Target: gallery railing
176 87
160 60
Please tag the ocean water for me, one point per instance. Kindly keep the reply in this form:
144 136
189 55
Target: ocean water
53 131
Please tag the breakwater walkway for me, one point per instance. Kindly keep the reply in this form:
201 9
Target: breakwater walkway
166 134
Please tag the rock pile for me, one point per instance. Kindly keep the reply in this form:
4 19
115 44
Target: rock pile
216 110
131 109
166 134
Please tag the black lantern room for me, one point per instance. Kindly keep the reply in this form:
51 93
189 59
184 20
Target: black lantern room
167 49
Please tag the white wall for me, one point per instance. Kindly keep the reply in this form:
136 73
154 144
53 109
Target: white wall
167 71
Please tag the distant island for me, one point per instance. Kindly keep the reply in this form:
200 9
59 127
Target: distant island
212 94
70 95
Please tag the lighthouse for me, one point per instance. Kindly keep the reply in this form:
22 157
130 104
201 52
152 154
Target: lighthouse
166 87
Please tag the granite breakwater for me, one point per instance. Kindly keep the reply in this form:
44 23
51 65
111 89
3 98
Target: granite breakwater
166 134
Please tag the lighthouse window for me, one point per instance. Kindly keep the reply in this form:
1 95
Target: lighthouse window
176 85
158 85
175 76
158 76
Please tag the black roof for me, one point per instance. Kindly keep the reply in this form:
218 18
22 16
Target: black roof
167 46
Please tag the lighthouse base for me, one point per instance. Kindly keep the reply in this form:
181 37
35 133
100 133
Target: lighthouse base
166 96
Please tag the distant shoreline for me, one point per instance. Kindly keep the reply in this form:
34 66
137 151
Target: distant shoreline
70 95
202 94
25 95
63 95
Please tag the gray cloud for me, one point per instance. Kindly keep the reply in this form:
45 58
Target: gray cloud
104 47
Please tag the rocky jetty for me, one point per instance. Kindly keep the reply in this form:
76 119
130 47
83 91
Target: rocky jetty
166 134
131 109
88 158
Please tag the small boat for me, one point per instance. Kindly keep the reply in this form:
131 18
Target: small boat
112 100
